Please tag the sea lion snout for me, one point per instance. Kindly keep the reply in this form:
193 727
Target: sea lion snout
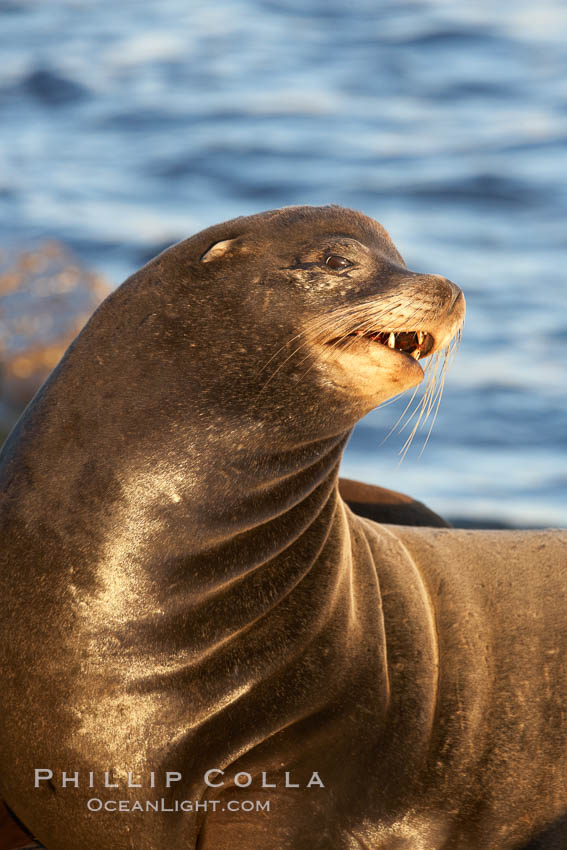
444 303
457 294
446 288
451 313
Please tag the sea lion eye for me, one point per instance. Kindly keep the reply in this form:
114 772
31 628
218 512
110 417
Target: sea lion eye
333 261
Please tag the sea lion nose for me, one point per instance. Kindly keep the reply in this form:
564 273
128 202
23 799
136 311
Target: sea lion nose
458 298
436 285
446 288
451 294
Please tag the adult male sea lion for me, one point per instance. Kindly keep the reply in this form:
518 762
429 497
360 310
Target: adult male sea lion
193 616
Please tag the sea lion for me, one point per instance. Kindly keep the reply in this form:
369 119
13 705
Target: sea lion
195 620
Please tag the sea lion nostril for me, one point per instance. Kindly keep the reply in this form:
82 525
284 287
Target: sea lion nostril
456 296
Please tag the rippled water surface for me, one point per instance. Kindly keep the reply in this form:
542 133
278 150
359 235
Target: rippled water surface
126 126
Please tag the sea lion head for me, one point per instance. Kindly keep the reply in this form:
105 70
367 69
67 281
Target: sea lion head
305 310
278 328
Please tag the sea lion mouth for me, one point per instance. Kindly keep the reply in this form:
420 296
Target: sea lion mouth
417 344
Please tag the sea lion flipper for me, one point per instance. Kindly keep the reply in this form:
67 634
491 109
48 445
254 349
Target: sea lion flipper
387 506
12 834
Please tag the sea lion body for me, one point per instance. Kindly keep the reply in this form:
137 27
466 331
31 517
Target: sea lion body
187 592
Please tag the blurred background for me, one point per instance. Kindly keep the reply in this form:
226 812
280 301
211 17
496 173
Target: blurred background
127 126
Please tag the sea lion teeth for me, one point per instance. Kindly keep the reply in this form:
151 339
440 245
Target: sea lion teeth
415 354
392 340
420 336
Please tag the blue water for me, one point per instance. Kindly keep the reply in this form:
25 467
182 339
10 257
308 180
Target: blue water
126 126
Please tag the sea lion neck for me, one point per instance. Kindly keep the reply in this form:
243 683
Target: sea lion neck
242 493
166 442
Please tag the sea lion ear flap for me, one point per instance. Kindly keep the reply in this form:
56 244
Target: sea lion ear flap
217 250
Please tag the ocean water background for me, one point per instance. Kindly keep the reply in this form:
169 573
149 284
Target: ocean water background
127 126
